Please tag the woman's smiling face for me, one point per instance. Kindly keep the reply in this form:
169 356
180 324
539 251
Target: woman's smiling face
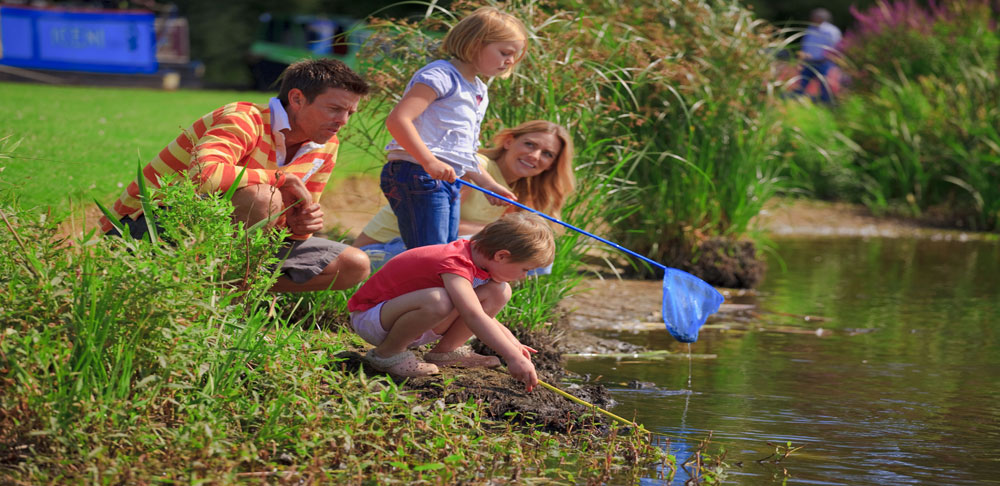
529 154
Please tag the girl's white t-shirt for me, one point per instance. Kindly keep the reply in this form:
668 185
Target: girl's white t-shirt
450 125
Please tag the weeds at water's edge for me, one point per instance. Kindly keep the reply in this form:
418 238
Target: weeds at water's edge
123 360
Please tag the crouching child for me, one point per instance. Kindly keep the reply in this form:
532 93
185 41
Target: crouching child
449 293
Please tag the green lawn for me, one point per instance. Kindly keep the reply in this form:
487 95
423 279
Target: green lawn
82 143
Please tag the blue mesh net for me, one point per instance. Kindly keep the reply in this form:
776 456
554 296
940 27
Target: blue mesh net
687 302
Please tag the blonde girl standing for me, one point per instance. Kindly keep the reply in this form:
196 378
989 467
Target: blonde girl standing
435 127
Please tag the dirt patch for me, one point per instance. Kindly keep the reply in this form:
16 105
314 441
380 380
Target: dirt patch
76 226
505 399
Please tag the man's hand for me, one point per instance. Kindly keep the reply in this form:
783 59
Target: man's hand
305 216
304 220
294 190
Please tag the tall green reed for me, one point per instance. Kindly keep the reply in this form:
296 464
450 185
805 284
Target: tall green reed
930 146
819 157
696 109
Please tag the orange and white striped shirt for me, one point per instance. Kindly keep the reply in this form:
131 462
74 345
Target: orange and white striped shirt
214 150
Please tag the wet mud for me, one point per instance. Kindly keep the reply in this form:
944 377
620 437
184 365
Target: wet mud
505 399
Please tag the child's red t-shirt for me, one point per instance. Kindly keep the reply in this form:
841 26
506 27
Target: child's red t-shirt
417 269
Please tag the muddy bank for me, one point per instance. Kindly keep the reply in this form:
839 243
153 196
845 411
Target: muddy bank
504 398
602 305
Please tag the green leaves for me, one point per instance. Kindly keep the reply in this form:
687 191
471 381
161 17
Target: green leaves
149 208
114 220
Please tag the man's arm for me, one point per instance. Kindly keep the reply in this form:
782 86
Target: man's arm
217 152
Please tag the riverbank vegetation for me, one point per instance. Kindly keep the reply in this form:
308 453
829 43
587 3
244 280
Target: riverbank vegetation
125 361
174 364
917 134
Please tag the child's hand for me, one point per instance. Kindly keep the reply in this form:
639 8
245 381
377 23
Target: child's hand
527 351
440 170
524 371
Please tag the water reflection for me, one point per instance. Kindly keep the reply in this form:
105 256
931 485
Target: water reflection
902 386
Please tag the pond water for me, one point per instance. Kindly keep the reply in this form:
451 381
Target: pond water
894 378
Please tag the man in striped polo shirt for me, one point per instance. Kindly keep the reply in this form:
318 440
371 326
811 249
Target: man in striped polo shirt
288 147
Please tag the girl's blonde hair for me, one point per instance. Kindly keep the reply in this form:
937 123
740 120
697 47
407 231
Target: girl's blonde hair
485 25
546 192
525 235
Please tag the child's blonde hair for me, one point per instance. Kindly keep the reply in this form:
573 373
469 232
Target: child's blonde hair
485 25
547 191
524 235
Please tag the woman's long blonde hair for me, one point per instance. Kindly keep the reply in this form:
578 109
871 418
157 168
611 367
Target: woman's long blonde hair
546 192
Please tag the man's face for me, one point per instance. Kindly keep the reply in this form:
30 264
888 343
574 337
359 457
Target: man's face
325 116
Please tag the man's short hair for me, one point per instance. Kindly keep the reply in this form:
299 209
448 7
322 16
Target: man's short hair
523 234
314 76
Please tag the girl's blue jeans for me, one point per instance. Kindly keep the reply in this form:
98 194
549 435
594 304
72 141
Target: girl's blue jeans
427 209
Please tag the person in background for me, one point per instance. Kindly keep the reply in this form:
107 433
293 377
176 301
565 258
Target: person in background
436 124
288 148
447 293
533 159
818 46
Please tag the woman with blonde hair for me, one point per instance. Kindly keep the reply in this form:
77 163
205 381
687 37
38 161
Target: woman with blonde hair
533 159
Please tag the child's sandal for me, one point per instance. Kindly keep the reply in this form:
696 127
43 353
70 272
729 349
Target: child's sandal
404 364
463 357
